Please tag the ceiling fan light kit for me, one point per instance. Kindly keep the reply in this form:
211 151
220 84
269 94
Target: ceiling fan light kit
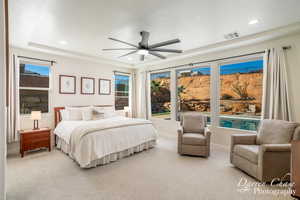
143 48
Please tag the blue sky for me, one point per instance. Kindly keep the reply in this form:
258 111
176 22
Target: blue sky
160 75
38 69
122 79
244 67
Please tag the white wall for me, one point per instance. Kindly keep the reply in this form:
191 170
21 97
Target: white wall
221 135
76 67
2 106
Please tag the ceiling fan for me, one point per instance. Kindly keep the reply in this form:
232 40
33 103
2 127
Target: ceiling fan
143 48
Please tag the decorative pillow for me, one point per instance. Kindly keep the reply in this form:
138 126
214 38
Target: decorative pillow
75 114
193 123
98 116
105 111
275 132
64 115
87 114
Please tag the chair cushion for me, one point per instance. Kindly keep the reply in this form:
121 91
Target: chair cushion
194 139
193 122
249 152
275 132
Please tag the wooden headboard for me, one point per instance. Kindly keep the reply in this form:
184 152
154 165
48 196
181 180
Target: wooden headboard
57 116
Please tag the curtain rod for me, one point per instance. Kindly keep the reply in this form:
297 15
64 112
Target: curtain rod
122 72
51 61
214 60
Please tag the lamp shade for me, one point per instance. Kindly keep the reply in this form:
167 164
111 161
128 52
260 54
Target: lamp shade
126 108
36 115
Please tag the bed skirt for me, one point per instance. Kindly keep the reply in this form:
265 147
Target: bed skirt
64 147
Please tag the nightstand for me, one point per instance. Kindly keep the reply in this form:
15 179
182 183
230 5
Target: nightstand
35 139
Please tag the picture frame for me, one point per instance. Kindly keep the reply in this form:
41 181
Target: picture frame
87 85
67 84
104 86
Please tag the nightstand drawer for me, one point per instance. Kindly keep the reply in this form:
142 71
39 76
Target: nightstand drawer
39 135
35 144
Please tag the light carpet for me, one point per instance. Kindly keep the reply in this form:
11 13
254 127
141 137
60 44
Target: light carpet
159 173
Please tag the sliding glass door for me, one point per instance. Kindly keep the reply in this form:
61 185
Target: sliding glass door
193 90
160 95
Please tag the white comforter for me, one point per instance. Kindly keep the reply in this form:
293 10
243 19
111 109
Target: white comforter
91 140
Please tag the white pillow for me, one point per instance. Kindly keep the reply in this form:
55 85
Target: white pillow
87 114
105 111
75 114
108 114
65 115
98 116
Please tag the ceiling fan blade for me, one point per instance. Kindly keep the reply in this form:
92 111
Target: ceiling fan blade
123 42
145 39
127 54
142 57
119 49
169 42
157 55
167 50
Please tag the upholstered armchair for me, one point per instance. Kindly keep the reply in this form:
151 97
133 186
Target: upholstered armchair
193 137
265 155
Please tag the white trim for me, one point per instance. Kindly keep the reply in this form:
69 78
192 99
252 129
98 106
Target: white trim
3 108
49 89
129 97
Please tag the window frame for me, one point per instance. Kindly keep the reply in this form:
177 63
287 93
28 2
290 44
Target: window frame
215 84
49 89
206 65
129 90
149 93
228 62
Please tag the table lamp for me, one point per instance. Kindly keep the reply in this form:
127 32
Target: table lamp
36 116
126 110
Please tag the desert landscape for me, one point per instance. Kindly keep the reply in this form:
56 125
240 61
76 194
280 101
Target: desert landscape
240 94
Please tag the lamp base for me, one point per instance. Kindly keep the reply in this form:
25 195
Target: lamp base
35 124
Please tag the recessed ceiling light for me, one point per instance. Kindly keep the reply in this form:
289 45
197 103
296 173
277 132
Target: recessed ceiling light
253 21
63 42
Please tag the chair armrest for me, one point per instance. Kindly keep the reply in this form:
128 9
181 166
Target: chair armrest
179 140
275 147
207 132
247 139
180 132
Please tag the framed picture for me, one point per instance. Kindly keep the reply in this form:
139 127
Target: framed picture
87 85
67 84
104 86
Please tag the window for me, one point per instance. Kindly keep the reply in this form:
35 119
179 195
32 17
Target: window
160 95
193 90
228 93
121 91
241 87
34 88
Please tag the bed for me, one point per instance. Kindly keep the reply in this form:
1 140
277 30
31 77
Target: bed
101 141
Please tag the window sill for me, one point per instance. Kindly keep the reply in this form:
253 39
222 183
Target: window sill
231 129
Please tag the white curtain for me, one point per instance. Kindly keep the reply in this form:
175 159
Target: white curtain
276 104
133 95
143 90
13 122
